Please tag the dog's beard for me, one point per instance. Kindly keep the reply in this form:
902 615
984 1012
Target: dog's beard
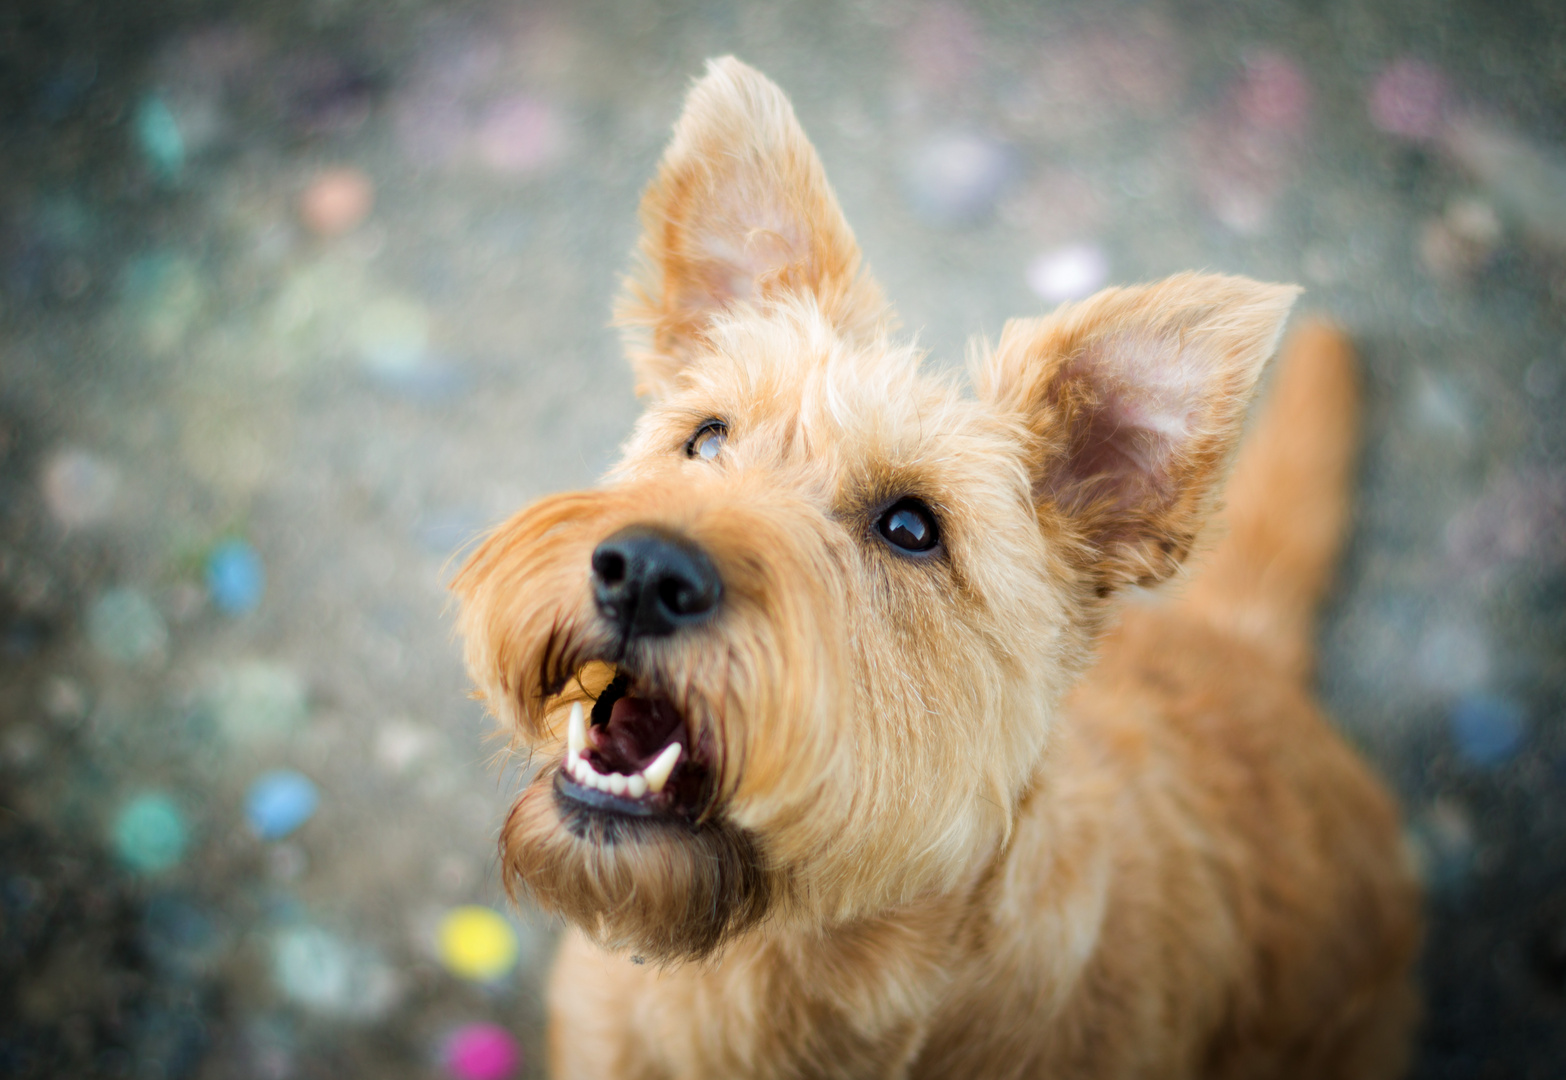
658 870
661 887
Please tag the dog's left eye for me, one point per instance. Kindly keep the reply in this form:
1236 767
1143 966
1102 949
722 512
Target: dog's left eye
909 525
708 440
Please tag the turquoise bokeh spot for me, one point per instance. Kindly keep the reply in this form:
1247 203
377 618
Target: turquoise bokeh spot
158 135
150 833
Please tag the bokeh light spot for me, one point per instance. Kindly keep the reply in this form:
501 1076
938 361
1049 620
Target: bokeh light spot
520 135
236 579
1408 99
79 487
482 1052
1488 730
150 833
392 336
1069 272
318 969
125 627
337 202
279 802
957 177
477 943
258 703
158 137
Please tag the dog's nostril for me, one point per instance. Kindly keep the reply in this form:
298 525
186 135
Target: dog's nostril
683 598
609 566
651 582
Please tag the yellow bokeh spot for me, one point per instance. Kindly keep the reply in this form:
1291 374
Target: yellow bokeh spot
477 943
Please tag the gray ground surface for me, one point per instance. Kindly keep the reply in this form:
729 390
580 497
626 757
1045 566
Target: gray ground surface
191 356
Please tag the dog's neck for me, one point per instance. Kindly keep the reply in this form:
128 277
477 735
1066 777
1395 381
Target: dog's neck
878 984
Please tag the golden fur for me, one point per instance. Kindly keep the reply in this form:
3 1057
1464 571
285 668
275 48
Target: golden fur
918 851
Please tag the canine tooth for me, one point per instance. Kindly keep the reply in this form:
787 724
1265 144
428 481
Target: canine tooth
616 784
636 786
657 773
576 730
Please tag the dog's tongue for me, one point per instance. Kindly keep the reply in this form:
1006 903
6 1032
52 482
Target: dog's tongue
637 730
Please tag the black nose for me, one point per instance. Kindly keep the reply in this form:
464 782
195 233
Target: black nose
650 582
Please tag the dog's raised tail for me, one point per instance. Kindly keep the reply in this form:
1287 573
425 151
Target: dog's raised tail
1288 502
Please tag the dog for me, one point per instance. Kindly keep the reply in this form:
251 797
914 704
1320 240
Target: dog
866 744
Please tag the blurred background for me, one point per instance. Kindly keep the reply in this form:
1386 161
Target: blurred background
298 297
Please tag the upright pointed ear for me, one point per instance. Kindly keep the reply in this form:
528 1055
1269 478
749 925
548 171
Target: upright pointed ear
740 211
1134 400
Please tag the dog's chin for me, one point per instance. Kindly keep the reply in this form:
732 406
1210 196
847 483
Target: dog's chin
625 836
661 886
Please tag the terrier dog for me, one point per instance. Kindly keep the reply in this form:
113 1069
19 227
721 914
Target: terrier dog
816 792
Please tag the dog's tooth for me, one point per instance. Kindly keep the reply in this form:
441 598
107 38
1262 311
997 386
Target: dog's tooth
616 784
657 773
576 730
636 786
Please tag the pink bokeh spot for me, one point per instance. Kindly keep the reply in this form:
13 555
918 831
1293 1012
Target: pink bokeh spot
483 1052
520 134
1408 99
1246 149
943 46
1273 94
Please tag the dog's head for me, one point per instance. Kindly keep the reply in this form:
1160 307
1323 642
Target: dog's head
799 657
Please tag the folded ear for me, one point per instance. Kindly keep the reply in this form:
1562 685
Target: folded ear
1134 400
740 212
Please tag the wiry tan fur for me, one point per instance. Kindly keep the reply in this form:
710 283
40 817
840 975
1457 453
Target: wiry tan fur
922 854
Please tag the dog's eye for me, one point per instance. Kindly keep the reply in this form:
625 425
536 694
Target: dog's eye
909 525
708 440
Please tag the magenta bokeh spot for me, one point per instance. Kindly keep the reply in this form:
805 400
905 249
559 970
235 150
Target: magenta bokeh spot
1408 99
483 1052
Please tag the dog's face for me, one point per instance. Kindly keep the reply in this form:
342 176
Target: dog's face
799 657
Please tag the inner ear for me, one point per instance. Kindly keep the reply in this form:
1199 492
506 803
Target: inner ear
739 213
1134 402
1119 438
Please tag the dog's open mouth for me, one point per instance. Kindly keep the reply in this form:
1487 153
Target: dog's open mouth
632 754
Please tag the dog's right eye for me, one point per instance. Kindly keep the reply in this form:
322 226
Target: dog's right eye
708 440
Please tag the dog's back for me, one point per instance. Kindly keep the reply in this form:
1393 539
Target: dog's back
1199 809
